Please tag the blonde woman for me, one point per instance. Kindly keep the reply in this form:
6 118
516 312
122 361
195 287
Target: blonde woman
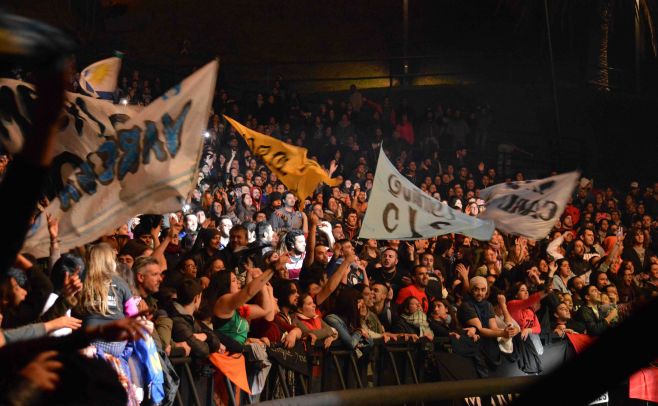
104 294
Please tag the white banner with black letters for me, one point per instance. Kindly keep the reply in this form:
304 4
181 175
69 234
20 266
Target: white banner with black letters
528 208
113 163
399 210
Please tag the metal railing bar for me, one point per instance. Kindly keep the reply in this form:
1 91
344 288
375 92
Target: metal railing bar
400 394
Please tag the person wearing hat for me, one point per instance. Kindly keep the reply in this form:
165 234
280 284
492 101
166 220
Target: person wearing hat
635 188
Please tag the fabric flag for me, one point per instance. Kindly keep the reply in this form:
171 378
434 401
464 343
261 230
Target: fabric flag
99 79
644 384
528 208
113 163
147 354
399 210
290 164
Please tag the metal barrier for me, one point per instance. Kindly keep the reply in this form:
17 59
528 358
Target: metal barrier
338 368
399 365
188 383
401 394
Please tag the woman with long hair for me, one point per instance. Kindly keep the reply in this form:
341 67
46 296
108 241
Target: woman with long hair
104 294
246 208
521 305
282 328
217 210
370 252
257 196
349 312
442 318
231 313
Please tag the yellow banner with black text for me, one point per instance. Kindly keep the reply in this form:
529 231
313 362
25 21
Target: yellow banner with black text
299 174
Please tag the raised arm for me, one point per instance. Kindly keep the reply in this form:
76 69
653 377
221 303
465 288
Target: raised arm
265 307
304 223
231 301
158 253
553 246
312 237
53 231
334 280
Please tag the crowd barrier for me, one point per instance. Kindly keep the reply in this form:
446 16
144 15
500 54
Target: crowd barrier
315 371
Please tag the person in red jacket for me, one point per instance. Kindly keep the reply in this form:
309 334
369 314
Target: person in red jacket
522 306
406 130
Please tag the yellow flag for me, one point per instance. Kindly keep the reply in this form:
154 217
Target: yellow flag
299 174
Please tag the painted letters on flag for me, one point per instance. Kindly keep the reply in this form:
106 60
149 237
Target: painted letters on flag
290 164
399 210
528 208
99 79
112 163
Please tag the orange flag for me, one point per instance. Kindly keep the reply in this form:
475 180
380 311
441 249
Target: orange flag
299 174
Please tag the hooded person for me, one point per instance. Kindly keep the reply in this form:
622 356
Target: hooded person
206 246
67 264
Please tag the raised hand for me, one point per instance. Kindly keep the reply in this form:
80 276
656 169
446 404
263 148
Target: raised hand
333 166
53 226
328 341
72 285
313 219
63 322
42 371
463 271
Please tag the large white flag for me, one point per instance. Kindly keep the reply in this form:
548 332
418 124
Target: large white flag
100 78
528 208
399 210
113 163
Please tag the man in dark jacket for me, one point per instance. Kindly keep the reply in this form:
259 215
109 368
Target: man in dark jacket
590 314
200 338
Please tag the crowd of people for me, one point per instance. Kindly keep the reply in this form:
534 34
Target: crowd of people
244 267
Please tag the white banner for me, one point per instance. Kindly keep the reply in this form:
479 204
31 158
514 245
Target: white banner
100 78
112 162
398 210
528 208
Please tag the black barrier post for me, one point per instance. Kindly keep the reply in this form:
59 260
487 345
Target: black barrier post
184 364
231 392
316 371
